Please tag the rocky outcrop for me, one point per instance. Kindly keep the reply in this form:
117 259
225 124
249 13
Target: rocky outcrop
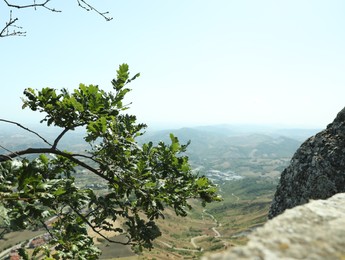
312 231
316 171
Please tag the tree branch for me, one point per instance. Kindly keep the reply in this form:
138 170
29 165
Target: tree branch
97 231
34 5
7 157
5 32
86 156
46 228
27 129
4 231
59 137
83 4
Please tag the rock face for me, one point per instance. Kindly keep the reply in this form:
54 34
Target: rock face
312 231
316 171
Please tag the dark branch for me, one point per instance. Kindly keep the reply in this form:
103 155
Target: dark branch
42 4
4 231
11 24
46 228
8 158
59 137
27 129
86 156
34 5
92 211
97 231
53 151
75 154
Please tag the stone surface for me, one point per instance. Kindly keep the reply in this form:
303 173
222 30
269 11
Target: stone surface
312 231
316 171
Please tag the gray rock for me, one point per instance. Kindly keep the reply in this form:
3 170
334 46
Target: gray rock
312 231
316 171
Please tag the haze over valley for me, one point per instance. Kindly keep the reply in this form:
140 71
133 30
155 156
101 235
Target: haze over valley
244 161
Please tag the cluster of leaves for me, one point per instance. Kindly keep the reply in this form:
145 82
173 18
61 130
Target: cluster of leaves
141 180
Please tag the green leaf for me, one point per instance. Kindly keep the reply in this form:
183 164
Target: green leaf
59 191
44 159
202 182
175 145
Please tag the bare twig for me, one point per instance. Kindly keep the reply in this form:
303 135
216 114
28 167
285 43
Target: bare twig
34 5
8 158
11 24
42 4
27 129
83 4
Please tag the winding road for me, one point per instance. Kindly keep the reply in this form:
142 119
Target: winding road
216 232
179 248
193 240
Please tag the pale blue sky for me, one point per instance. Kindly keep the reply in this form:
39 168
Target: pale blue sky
201 62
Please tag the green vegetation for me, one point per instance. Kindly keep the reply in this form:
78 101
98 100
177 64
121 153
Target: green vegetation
250 188
141 181
214 154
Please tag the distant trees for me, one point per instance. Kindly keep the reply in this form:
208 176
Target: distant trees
11 27
38 184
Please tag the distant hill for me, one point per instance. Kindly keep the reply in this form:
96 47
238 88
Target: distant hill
238 131
241 149
245 150
236 142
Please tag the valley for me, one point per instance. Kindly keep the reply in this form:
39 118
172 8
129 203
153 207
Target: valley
246 167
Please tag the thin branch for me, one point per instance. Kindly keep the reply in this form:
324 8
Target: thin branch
4 231
92 211
34 5
43 4
5 32
86 156
27 129
57 152
46 228
83 4
9 158
97 231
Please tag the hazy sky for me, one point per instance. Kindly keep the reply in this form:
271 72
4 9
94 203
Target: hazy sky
201 62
